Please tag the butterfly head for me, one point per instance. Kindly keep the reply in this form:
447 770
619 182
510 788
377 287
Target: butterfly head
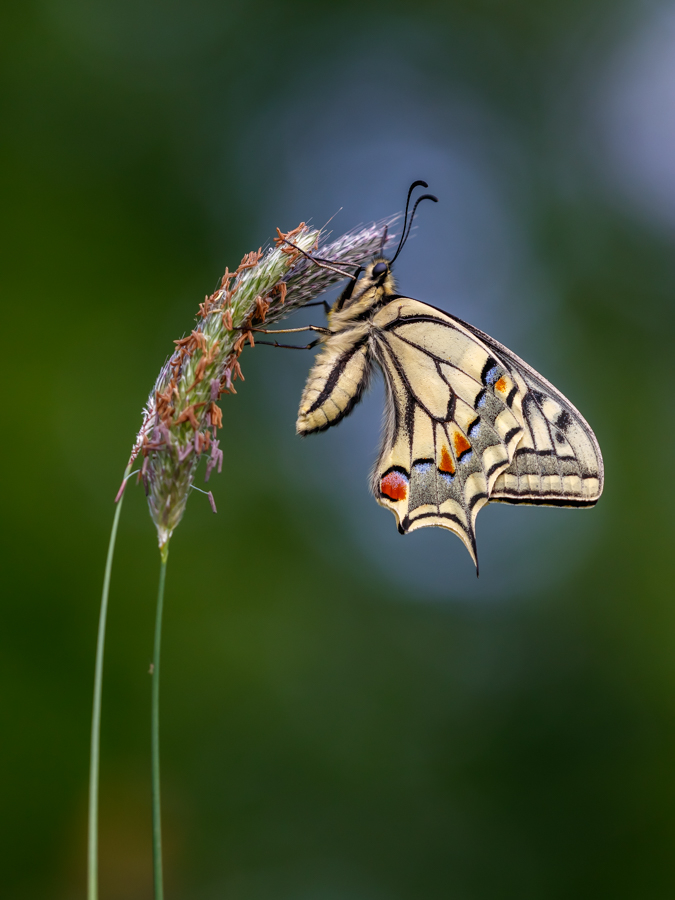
377 274
373 286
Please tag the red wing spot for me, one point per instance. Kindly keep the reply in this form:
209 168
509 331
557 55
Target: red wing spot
395 486
461 444
447 465
501 385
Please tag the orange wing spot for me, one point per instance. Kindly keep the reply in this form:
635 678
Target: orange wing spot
461 444
394 486
447 465
501 385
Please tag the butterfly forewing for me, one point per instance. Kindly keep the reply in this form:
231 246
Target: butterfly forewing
558 460
454 423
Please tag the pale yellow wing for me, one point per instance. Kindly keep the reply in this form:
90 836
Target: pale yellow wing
558 461
468 422
455 419
336 381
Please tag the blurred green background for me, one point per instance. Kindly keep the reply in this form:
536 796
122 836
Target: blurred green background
345 713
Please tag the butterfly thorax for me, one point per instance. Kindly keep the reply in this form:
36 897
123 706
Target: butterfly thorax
365 297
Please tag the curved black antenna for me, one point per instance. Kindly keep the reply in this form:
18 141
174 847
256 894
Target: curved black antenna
406 235
405 217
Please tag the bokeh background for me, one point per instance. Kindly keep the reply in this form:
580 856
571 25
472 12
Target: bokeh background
346 714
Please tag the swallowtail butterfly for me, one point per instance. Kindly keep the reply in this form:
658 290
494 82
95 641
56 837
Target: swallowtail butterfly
467 423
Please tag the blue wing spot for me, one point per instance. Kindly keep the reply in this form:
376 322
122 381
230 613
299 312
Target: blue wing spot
423 468
474 428
490 371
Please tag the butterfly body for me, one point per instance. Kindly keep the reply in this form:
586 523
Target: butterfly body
467 422
343 368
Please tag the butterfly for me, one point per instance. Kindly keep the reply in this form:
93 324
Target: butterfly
467 421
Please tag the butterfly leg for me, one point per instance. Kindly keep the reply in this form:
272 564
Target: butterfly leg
324 303
293 330
348 291
324 263
290 346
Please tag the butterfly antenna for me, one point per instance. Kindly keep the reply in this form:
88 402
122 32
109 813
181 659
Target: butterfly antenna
432 197
405 217
419 200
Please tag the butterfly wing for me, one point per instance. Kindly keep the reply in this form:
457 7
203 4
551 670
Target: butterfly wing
468 423
558 461
454 419
336 382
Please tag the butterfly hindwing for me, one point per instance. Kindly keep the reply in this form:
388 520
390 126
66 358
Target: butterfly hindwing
454 421
338 378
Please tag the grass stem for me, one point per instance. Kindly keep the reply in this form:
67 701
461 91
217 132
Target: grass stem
95 752
156 804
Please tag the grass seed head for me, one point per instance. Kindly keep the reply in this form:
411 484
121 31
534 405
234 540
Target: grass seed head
181 418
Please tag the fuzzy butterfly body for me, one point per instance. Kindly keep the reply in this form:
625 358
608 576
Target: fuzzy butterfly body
467 422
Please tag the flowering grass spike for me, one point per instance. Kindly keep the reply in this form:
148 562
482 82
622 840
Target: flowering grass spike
182 417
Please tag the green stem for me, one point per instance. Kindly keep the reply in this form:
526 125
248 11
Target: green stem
156 806
95 752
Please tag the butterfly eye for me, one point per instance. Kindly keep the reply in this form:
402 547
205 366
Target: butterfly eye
379 269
